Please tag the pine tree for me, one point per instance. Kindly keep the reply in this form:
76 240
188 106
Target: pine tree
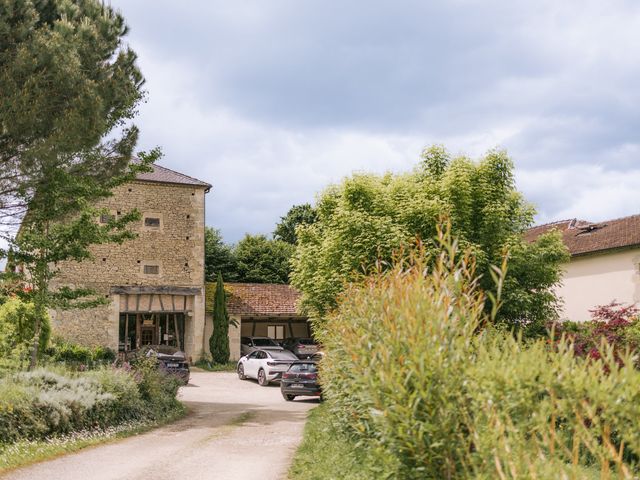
219 341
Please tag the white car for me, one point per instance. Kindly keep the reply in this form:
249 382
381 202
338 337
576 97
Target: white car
265 365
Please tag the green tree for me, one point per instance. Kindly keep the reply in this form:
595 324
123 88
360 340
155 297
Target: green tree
367 219
17 323
219 340
218 257
298 215
261 260
68 84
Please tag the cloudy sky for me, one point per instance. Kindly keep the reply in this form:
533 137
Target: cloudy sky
272 100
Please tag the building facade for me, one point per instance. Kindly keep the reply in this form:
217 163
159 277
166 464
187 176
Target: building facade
154 284
604 264
259 310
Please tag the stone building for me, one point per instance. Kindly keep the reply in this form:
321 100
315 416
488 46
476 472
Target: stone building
259 309
154 283
604 265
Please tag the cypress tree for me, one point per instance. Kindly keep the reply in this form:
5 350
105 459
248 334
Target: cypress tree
219 341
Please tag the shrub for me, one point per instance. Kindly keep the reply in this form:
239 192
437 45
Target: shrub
80 355
17 328
45 403
414 374
615 324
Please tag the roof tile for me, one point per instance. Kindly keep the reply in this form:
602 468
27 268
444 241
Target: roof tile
582 237
165 175
257 299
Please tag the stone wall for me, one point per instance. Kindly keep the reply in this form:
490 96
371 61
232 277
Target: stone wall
176 246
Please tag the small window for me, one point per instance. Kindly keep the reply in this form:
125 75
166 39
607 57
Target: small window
275 331
152 222
151 269
106 218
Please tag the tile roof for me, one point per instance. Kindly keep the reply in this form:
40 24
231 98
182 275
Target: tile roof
164 175
257 299
582 237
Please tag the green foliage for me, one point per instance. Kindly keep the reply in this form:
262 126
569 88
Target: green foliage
297 215
416 374
44 403
17 329
327 453
62 351
219 340
261 260
68 84
219 257
367 220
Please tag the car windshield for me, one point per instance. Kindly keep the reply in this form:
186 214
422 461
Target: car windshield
264 342
307 341
303 368
283 355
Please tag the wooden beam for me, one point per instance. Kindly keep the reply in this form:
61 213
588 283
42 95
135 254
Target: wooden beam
151 302
175 325
161 304
253 330
173 302
158 290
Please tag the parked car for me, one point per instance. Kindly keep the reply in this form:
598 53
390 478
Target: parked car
302 347
170 359
265 365
250 344
300 379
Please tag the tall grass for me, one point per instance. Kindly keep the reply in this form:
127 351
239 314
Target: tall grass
417 376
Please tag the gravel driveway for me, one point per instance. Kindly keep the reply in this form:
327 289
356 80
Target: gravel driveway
235 430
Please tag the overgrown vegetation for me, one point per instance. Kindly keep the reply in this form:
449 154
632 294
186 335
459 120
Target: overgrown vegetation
363 222
419 378
48 403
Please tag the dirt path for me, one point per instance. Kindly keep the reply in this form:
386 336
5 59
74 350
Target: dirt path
236 430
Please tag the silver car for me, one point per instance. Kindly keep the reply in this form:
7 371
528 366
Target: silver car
250 344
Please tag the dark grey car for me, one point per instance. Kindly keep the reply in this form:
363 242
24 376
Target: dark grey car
300 379
251 344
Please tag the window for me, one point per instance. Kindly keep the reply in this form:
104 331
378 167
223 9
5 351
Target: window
106 218
151 269
275 331
152 222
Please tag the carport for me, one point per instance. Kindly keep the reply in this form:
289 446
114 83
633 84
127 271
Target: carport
260 309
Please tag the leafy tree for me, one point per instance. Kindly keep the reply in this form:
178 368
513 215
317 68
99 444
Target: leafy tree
298 215
219 257
219 340
68 84
261 260
17 322
367 219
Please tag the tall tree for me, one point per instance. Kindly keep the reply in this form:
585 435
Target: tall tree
262 260
298 215
218 257
69 84
69 87
366 220
219 340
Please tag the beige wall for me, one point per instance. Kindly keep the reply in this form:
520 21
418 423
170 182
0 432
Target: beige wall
598 279
177 247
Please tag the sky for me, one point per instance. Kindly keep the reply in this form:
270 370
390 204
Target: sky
271 101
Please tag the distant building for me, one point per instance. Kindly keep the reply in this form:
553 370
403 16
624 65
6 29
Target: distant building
604 265
154 283
260 309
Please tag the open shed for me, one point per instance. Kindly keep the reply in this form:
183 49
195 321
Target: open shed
260 309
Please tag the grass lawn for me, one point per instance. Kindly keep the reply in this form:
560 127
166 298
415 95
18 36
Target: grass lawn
326 454
216 367
26 452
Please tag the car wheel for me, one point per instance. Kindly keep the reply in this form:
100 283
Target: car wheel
288 397
262 378
241 374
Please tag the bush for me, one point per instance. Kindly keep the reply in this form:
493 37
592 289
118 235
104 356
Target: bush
615 324
414 375
45 403
80 355
17 329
